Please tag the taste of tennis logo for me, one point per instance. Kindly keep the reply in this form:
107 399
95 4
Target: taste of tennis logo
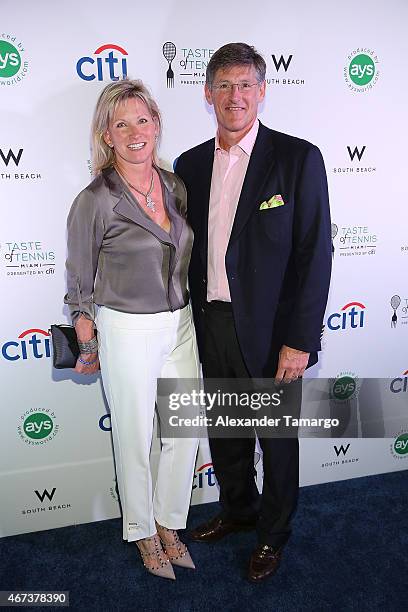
350 240
361 70
13 66
28 258
399 307
185 65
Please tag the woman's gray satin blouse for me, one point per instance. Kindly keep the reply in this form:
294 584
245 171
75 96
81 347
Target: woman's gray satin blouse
118 257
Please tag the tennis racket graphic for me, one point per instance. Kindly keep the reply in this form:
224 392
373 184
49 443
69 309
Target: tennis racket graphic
334 230
169 52
395 302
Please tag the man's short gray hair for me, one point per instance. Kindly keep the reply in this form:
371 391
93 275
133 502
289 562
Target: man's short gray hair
235 54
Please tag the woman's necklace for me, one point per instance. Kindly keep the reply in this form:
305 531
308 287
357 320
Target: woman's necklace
147 196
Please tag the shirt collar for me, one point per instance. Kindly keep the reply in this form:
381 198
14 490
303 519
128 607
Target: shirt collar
246 143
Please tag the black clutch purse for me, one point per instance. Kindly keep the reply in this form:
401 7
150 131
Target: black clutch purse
65 346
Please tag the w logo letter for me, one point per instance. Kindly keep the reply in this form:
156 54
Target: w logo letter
44 494
6 157
356 152
341 449
282 62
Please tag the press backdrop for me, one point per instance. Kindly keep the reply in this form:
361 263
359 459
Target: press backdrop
335 76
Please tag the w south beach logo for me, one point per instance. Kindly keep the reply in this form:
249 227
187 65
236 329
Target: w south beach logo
351 316
30 344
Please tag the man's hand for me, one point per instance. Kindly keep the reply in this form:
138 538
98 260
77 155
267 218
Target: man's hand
292 364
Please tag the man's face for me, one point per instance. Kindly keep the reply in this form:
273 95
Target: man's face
235 110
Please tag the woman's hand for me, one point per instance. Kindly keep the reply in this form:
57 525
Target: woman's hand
85 332
81 365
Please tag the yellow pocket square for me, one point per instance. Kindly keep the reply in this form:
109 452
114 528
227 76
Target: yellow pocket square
273 202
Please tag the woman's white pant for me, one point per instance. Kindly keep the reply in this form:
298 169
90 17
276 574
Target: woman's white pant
134 351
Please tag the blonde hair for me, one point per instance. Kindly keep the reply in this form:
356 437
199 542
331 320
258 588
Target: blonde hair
112 95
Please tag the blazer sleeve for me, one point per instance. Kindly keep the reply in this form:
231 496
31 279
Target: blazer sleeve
312 254
84 240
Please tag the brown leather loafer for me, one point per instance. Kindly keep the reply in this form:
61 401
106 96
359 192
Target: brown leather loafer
264 562
217 528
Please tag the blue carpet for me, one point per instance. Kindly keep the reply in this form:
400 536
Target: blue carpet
348 551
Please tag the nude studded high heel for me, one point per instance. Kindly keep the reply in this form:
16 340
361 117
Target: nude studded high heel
170 540
160 563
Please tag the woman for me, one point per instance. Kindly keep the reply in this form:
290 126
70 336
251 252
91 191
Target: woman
129 247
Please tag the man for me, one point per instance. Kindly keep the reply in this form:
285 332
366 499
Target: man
259 279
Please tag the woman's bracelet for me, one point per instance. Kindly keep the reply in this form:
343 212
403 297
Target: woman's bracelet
87 363
89 347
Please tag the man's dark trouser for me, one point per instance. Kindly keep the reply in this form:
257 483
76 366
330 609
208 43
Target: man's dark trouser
233 458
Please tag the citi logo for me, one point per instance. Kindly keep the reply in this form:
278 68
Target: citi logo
105 63
38 346
356 153
341 450
281 62
204 478
105 423
45 494
6 157
400 384
350 316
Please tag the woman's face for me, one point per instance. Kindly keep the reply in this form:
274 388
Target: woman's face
132 132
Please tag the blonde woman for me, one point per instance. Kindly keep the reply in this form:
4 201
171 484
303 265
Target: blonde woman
129 247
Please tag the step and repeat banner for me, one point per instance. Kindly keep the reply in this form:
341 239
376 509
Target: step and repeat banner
335 76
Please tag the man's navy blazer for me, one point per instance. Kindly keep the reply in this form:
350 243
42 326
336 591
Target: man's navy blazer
278 260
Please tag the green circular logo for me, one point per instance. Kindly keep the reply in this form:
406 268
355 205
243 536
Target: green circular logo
401 444
361 69
38 425
344 387
10 60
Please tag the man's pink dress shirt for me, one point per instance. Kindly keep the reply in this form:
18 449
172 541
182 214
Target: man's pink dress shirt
228 176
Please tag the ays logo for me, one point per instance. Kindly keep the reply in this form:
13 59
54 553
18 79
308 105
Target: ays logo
38 426
344 387
351 316
361 71
110 62
13 67
399 446
31 344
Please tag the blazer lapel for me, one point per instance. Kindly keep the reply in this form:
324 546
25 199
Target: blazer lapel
131 211
202 200
260 165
